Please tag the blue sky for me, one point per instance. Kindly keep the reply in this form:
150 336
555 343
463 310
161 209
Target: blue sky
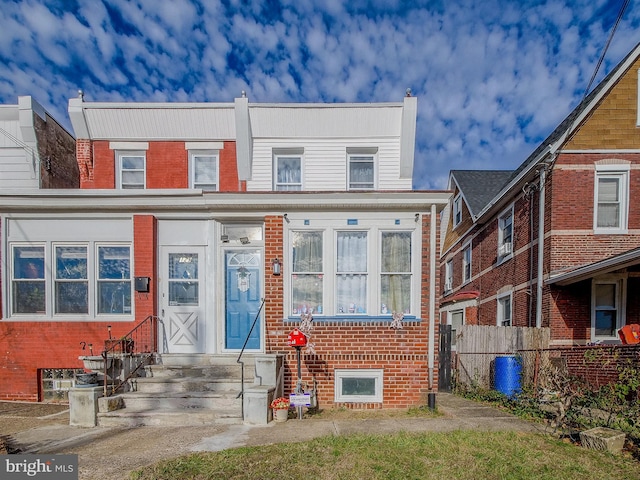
493 78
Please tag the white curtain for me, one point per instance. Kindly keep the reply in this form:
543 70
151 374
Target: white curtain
352 272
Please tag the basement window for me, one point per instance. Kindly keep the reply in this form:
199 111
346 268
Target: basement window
358 386
56 383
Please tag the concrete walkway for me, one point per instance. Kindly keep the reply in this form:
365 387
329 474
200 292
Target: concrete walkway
113 452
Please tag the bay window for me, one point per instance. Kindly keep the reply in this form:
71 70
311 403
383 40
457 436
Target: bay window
28 281
71 281
395 274
351 273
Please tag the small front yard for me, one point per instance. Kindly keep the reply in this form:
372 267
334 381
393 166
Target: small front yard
464 455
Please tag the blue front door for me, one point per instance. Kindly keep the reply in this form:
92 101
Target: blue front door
243 276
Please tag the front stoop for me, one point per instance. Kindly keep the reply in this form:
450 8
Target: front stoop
187 390
601 438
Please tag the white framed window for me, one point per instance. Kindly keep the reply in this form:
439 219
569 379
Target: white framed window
307 272
351 272
457 210
466 263
203 169
359 386
361 171
611 198
505 234
28 287
504 310
131 169
456 320
395 272
448 276
608 299
76 281
288 172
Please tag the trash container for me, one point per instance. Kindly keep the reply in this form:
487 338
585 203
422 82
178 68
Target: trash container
508 373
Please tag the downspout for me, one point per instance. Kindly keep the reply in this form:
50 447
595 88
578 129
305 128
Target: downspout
432 295
543 171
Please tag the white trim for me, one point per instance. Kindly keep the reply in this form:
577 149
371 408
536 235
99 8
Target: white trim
129 145
500 314
203 145
457 208
448 275
376 374
505 249
364 152
620 282
467 246
204 153
619 172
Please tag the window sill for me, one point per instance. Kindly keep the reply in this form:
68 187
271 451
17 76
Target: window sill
504 259
353 318
610 231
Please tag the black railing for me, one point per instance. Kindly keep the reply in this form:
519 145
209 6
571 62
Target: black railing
241 394
137 346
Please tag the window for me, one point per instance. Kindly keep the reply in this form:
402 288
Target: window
183 279
56 383
71 280
351 272
466 264
131 170
361 172
448 276
203 170
288 170
307 273
607 308
358 386
505 234
28 281
114 280
504 310
611 194
83 279
457 210
395 274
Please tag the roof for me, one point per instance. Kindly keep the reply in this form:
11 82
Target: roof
608 265
478 187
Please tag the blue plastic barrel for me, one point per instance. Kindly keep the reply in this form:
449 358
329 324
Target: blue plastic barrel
508 372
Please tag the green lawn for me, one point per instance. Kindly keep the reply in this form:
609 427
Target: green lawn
471 455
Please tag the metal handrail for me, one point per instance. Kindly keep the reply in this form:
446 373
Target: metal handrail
241 394
130 343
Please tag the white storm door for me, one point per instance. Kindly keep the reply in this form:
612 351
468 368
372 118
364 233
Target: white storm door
183 302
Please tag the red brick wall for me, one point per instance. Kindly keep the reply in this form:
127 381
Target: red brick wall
145 239
166 165
351 344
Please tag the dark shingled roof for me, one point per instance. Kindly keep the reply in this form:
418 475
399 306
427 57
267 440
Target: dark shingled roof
478 187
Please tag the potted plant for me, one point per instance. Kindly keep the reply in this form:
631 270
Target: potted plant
280 407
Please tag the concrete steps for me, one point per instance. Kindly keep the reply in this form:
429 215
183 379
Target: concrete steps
182 390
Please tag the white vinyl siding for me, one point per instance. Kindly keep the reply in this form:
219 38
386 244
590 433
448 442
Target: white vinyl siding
325 163
19 168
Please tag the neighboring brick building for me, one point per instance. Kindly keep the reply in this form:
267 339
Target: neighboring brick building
587 173
205 200
35 150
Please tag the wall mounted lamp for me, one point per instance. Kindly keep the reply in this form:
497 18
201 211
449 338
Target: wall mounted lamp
417 217
275 266
244 240
224 238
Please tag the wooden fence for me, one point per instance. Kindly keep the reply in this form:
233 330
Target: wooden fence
478 346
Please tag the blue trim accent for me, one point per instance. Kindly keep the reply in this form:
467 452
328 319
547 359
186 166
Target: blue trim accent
306 222
352 221
397 221
355 318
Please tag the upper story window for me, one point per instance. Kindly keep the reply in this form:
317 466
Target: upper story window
131 168
287 169
611 198
505 234
504 310
203 169
466 263
361 171
448 276
608 298
457 210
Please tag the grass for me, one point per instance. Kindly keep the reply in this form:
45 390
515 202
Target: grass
472 455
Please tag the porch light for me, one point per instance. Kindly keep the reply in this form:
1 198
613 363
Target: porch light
244 240
275 266
224 238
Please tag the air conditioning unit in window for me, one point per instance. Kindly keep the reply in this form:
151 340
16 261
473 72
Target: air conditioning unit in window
504 249
448 285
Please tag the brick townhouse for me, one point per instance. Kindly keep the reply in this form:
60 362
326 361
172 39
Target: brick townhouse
232 211
556 242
